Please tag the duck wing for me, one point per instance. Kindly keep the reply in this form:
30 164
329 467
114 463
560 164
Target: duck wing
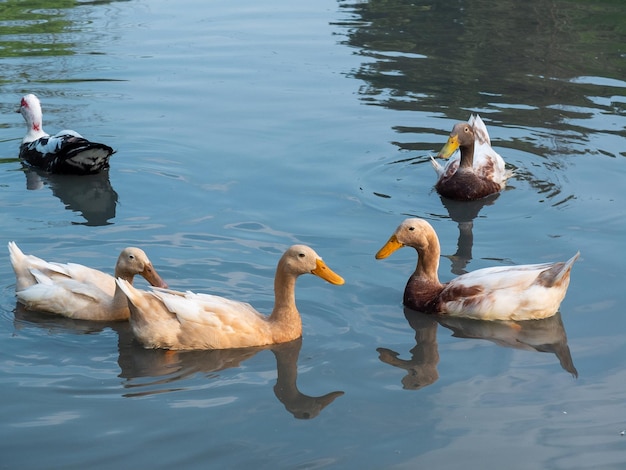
164 318
508 293
68 153
77 273
66 296
209 310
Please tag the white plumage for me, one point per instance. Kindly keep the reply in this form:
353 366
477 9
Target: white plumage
76 291
524 292
65 152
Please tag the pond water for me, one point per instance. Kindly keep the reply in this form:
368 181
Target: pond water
242 128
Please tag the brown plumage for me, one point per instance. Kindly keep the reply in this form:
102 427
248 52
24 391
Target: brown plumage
522 292
478 172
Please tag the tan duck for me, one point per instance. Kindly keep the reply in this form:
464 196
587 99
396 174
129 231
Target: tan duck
76 291
479 170
185 320
522 292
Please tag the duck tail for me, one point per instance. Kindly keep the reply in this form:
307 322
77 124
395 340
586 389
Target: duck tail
557 274
84 157
569 263
15 253
567 267
19 261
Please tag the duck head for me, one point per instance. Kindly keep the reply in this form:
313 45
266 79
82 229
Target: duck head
30 109
301 259
462 135
135 261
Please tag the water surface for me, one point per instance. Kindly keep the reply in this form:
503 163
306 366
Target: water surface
243 128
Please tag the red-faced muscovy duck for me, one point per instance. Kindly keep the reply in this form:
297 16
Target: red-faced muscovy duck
66 152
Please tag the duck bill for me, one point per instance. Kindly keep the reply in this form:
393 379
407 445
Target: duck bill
326 273
392 245
452 145
150 274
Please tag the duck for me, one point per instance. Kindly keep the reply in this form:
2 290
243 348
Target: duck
523 292
479 170
66 152
76 291
167 319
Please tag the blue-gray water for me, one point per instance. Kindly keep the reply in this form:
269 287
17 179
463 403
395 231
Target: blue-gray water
244 127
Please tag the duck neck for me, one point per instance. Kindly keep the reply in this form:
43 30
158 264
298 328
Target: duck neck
34 124
284 296
467 156
428 261
285 320
123 274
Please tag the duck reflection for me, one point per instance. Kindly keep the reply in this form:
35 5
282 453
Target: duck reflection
547 335
422 367
286 390
168 367
464 213
153 371
160 366
90 195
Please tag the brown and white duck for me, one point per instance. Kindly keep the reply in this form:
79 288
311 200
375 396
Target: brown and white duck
524 292
478 171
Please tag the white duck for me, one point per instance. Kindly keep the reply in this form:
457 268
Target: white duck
478 171
76 291
522 292
185 320
66 152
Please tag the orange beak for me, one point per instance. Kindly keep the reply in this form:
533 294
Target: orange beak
326 273
392 245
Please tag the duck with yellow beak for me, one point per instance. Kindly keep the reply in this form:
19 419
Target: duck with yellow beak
168 319
478 171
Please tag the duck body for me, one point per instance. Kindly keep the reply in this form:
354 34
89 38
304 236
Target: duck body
477 171
76 291
522 292
67 152
165 319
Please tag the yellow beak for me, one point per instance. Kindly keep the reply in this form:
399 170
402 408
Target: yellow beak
326 273
451 146
392 245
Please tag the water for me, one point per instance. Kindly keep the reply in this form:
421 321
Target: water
241 129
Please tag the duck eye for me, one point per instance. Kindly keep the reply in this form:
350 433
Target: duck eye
131 256
301 255
411 228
